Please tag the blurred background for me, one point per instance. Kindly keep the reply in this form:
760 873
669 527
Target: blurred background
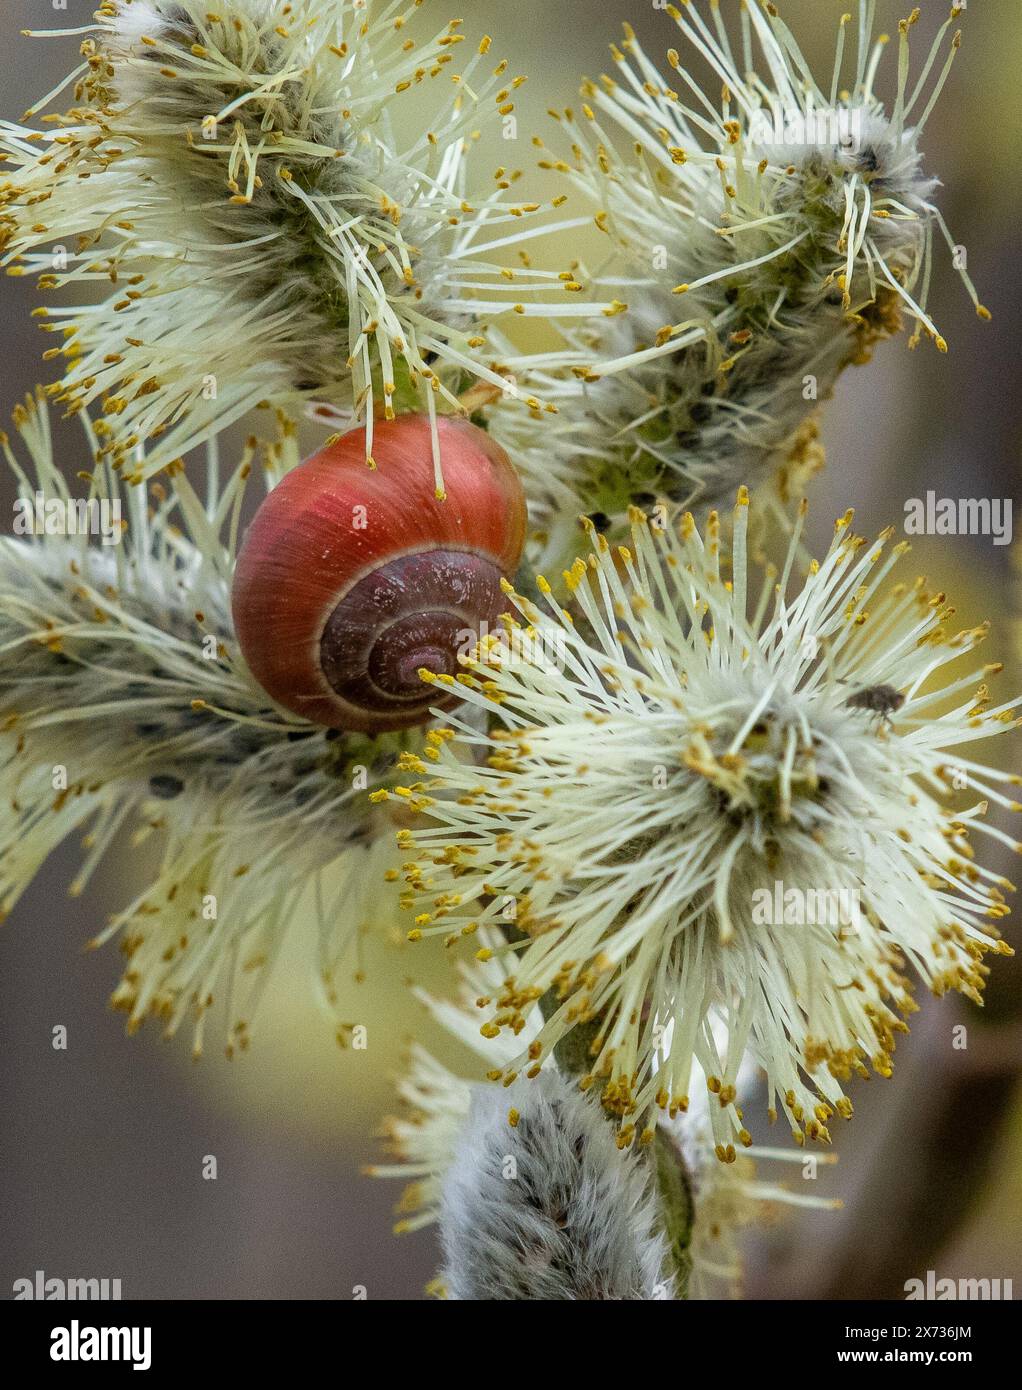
102 1146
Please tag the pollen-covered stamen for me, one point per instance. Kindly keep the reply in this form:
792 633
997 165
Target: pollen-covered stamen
422 1139
280 226
687 815
435 1101
758 242
125 708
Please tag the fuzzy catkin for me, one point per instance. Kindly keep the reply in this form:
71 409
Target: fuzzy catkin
752 252
710 745
125 704
544 1206
229 186
422 1138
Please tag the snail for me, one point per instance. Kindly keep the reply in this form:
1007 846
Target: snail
351 580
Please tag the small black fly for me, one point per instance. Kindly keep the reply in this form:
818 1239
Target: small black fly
882 700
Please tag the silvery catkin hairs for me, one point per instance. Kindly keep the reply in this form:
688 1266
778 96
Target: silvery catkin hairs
539 1203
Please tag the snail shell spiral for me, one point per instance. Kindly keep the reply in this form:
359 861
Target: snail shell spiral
351 580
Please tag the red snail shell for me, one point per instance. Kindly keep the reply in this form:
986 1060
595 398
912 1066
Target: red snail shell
350 580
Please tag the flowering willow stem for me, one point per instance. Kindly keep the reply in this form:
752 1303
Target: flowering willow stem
677 1206
573 1050
674 1185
